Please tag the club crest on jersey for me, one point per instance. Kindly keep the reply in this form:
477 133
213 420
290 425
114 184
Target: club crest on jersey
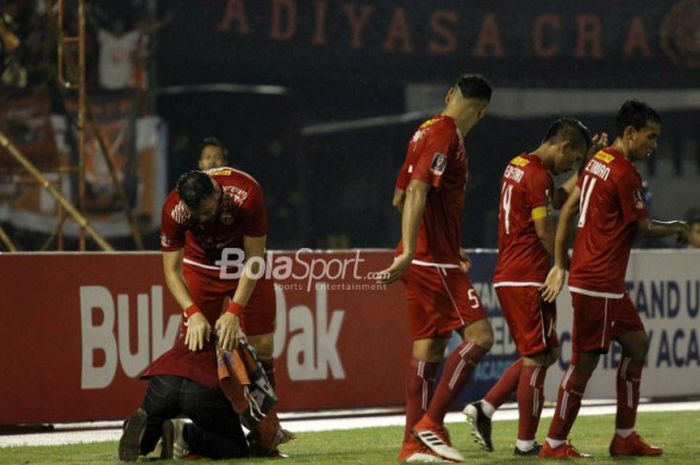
639 202
439 163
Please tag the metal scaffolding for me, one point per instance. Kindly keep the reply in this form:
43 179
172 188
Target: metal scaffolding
71 69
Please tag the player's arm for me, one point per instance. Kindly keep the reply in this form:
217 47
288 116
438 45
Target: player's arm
555 278
198 328
228 324
414 206
653 228
545 229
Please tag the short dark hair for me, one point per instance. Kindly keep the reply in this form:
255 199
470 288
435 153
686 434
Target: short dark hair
211 140
474 86
637 114
193 187
572 130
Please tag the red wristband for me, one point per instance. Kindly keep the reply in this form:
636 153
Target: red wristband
235 308
191 310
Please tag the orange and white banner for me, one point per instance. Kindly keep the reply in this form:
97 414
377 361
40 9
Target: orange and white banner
135 148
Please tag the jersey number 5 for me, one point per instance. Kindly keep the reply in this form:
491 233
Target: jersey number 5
506 194
584 200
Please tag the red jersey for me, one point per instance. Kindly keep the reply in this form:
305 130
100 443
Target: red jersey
611 202
436 155
241 212
526 193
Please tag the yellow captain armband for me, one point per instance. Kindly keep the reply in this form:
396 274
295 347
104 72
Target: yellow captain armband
539 212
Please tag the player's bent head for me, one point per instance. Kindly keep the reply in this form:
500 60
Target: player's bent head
636 114
474 86
572 131
196 189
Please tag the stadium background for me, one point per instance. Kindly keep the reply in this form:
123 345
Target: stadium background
317 99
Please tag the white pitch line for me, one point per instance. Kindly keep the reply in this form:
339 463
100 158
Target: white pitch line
324 424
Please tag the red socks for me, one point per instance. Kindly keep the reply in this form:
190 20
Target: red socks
420 380
458 369
569 398
530 400
506 385
628 380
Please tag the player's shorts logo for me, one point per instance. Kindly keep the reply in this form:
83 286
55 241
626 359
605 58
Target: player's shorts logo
439 163
680 34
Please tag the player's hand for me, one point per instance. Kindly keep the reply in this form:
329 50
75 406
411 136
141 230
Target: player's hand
227 328
396 270
465 263
553 284
598 142
198 331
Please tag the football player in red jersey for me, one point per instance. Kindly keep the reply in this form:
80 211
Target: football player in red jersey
441 299
525 244
208 212
611 207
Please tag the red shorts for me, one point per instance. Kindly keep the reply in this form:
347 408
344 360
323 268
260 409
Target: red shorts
532 321
212 295
597 320
440 300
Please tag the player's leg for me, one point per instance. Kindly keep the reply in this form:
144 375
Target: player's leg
479 413
630 334
532 325
215 431
459 308
593 321
427 353
513 307
540 348
424 289
144 427
634 347
420 379
530 397
258 324
458 368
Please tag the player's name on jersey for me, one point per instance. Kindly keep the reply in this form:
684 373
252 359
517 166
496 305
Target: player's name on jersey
598 169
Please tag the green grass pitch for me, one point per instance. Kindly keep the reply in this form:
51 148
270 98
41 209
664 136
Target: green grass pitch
676 432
